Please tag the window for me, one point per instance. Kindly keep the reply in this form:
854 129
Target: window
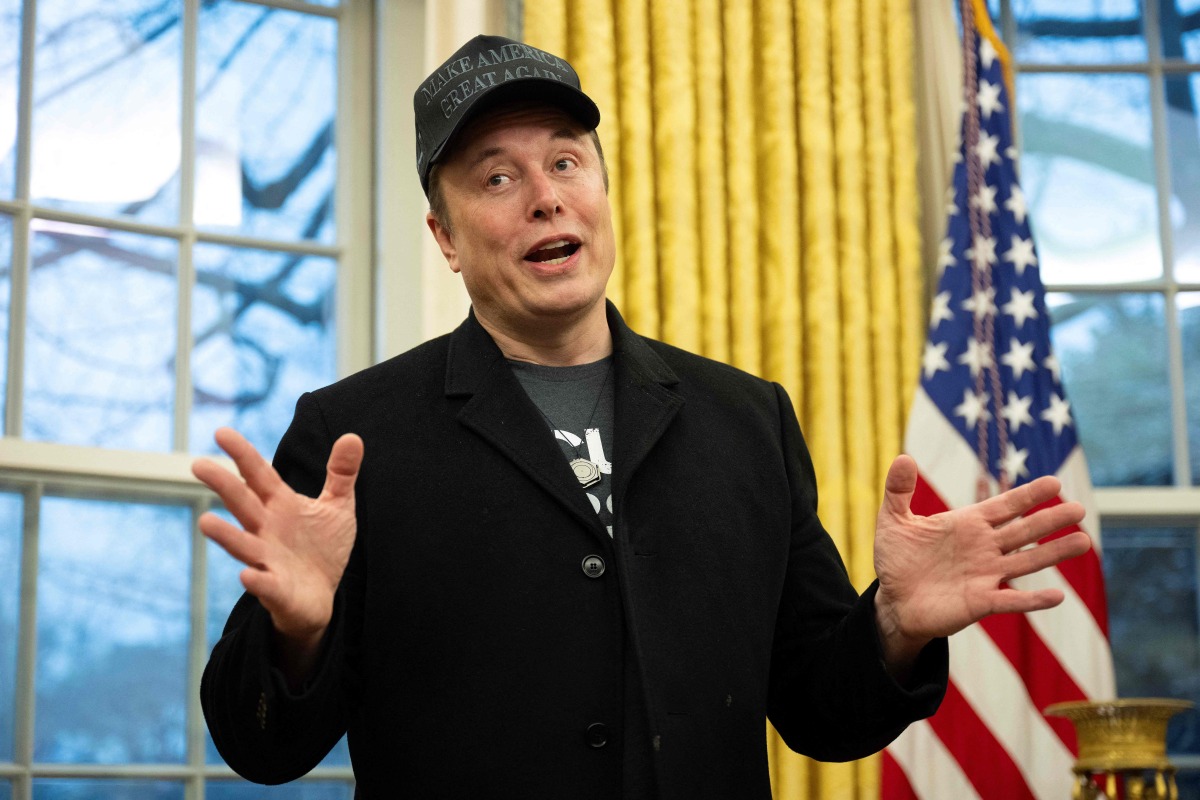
1108 96
179 250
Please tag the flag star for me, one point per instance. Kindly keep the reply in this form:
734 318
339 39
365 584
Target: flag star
1012 154
1058 413
985 199
1050 362
977 358
1021 254
989 99
1016 204
1019 357
1016 411
946 254
934 359
983 303
972 408
941 310
988 150
987 52
983 253
1020 307
1013 462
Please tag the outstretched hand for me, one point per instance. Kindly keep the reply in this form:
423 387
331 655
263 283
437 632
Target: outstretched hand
295 548
939 574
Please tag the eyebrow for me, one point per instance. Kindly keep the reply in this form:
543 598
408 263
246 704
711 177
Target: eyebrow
490 152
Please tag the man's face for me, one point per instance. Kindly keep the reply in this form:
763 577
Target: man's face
529 227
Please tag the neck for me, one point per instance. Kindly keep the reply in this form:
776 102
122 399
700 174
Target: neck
553 344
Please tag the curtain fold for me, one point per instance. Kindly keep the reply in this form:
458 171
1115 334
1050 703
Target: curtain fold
764 188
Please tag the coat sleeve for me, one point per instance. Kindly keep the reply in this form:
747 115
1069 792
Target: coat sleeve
830 696
264 731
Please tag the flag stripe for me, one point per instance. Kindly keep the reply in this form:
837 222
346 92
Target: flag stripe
969 740
1044 678
894 783
928 768
997 696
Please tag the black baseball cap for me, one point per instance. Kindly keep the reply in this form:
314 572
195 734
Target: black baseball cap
485 72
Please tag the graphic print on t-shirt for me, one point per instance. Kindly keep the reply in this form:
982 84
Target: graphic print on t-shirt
591 447
577 405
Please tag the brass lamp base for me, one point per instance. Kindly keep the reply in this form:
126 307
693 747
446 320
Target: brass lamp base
1122 748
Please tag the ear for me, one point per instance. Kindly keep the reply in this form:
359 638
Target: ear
445 240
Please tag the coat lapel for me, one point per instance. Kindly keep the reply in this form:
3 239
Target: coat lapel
645 402
499 410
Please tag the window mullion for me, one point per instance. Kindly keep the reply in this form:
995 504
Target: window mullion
185 272
19 275
197 655
27 641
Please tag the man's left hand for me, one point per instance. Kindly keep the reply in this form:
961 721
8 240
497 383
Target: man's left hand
939 574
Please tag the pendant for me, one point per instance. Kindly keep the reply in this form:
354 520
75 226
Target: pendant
586 472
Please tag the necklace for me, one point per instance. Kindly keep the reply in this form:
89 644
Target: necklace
587 472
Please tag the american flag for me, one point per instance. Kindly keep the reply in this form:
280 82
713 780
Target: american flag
991 412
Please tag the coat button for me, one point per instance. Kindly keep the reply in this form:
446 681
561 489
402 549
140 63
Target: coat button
593 566
597 735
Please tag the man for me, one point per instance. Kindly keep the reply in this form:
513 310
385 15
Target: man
438 564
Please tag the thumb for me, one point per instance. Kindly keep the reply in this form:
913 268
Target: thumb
342 470
899 486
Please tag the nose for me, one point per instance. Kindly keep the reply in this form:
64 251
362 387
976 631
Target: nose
545 202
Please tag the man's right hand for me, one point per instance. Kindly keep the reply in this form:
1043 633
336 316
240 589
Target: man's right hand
295 548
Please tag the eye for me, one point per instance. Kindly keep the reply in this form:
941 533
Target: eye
563 164
497 180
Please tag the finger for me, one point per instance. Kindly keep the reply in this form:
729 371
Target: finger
1015 502
233 491
1014 601
342 470
1038 525
899 486
1035 559
261 583
245 547
258 473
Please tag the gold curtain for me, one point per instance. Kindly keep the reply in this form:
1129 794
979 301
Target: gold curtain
763 164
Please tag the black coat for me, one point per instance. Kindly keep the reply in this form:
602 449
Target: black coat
471 655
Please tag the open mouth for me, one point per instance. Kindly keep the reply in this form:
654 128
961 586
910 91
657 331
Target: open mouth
555 252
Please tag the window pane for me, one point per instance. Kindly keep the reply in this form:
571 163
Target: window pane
106 108
95 789
100 342
1150 576
265 156
1180 21
1112 349
6 791
1079 31
300 790
10 65
5 295
112 635
1088 175
10 608
264 334
1189 329
1183 136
